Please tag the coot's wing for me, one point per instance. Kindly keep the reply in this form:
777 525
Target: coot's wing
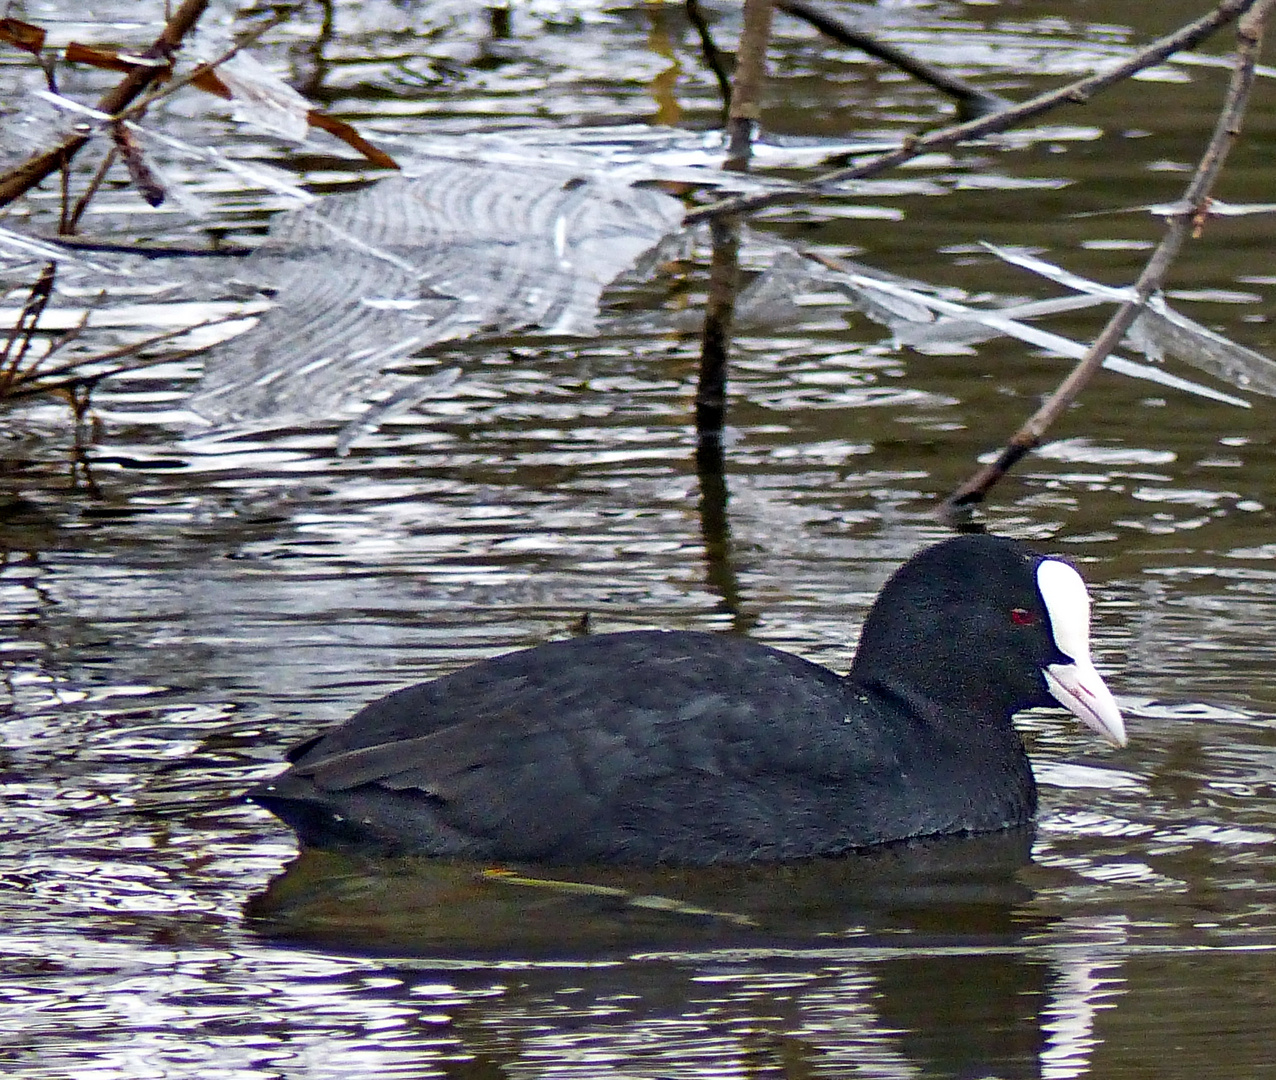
501 751
616 706
622 746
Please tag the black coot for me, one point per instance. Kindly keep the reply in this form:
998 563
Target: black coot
686 747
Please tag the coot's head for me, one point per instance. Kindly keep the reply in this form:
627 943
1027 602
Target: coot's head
988 626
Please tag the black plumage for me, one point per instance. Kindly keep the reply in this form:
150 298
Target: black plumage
687 747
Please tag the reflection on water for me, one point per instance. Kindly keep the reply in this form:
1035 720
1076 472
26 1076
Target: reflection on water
429 906
175 619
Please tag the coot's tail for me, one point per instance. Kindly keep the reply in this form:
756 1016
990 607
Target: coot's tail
306 810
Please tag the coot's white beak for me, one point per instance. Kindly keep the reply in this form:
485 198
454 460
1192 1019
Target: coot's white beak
1080 689
1076 685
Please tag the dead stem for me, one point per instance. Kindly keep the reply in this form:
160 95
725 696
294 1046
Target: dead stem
25 176
746 84
972 101
724 273
1185 221
1083 89
18 340
724 279
33 383
712 55
71 221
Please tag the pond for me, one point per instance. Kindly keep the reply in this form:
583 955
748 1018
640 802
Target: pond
178 609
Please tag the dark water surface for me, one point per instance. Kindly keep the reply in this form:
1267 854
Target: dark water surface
179 615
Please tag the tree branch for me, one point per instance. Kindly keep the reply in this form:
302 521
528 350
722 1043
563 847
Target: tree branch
972 101
24 177
712 56
1075 92
1186 222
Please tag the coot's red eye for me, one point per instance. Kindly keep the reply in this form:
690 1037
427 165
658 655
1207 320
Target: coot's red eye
1023 617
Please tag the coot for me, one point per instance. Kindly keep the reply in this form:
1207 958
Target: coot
686 747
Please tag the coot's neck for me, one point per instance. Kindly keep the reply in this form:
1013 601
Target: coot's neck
928 670
964 757
962 768
933 718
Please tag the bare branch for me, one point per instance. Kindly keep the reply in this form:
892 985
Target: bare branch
746 85
71 220
972 101
1187 221
18 340
724 272
1075 92
25 176
712 56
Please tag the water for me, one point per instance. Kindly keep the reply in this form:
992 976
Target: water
178 610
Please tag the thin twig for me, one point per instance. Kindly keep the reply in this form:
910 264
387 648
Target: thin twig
1074 93
712 55
1185 222
25 176
67 337
64 194
18 340
72 368
972 101
89 381
746 84
82 203
312 84
724 271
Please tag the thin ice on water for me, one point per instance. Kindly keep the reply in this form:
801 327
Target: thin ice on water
460 247
260 97
927 318
1160 330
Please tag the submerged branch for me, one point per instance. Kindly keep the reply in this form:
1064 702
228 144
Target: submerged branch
972 101
1073 93
724 272
1188 221
712 55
